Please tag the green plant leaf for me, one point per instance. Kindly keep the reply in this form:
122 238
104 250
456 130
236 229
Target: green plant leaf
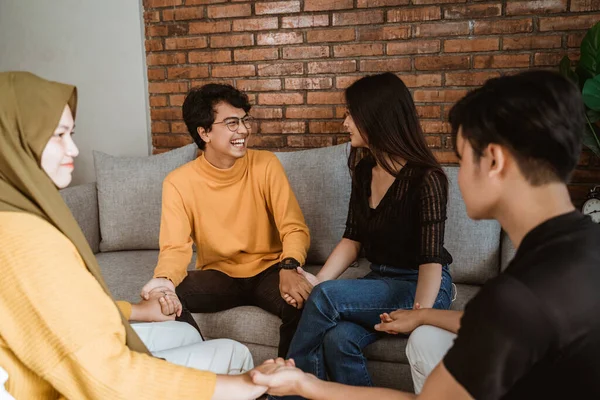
590 140
591 93
565 69
590 51
593 116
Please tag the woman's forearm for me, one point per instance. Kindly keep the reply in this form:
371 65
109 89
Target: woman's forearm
344 254
428 284
313 388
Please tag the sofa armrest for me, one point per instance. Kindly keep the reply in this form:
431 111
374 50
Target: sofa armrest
83 202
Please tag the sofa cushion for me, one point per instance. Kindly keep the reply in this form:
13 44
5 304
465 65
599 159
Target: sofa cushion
129 197
474 245
321 181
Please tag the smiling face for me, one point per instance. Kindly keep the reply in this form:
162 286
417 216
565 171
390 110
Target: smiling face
59 153
356 139
223 146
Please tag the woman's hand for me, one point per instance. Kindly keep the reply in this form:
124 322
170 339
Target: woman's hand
400 321
313 280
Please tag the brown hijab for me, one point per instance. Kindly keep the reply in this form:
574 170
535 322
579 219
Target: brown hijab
30 109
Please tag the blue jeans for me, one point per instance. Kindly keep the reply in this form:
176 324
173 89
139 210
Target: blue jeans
339 317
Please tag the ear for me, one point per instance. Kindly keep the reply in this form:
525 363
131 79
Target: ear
496 160
204 135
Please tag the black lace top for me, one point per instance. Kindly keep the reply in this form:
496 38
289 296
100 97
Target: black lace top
406 229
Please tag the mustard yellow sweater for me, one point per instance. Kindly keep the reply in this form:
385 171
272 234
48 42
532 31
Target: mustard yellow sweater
242 219
61 336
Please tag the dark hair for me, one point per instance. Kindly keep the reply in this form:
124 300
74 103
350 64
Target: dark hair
385 115
199 106
537 115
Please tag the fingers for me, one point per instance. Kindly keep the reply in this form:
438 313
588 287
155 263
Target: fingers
417 306
385 317
290 363
289 299
385 327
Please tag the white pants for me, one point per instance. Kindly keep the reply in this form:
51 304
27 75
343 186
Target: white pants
4 395
181 344
426 347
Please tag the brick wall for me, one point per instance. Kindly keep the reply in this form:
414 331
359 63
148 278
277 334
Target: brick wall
295 58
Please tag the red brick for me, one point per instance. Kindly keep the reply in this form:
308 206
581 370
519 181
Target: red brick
186 43
239 40
326 127
446 157
161 3
266 142
187 72
165 58
328 67
259 85
218 56
552 59
160 127
413 47
578 22
308 83
167 87
384 33
179 127
282 69
438 1
304 21
330 35
156 74
176 100
280 98
574 40
502 61
255 24
178 29
282 127
171 141
392 65
426 112
381 3
158 114
157 30
209 27
523 25
421 80
473 11
470 78
442 29
405 14
151 16
183 14
266 113
353 50
306 52
276 7
430 63
535 7
229 11
585 5
279 38
308 112
158 101
322 5
225 71
309 141
325 98
531 42
342 82
433 142
358 18
340 112
438 96
199 2
256 55
154 45
471 45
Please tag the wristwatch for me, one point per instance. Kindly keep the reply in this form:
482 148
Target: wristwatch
289 263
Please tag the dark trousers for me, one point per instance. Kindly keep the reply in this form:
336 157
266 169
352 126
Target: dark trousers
212 291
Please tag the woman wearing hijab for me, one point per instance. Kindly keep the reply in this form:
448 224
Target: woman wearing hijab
62 336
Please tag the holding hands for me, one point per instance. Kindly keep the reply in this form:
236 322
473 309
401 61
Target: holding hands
295 286
400 321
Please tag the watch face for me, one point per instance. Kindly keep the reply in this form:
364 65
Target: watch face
592 208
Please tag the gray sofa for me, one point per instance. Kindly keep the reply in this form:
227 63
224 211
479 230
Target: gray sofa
120 216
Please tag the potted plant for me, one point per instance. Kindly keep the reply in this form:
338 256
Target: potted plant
587 75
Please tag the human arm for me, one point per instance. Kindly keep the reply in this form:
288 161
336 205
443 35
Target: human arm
406 321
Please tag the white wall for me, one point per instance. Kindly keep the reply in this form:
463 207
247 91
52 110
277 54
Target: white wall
97 46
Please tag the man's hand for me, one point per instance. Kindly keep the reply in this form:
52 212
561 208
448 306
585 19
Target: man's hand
168 300
313 280
281 376
156 283
400 321
295 285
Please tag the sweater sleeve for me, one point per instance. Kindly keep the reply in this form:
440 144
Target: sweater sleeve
125 308
175 237
286 212
61 325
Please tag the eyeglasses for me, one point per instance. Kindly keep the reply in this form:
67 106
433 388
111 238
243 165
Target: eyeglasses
233 123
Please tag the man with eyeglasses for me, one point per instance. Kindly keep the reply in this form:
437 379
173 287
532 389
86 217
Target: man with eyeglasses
237 206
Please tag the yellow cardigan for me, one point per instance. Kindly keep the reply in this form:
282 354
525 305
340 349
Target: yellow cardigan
243 219
61 335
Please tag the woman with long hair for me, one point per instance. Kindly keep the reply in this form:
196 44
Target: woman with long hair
396 216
